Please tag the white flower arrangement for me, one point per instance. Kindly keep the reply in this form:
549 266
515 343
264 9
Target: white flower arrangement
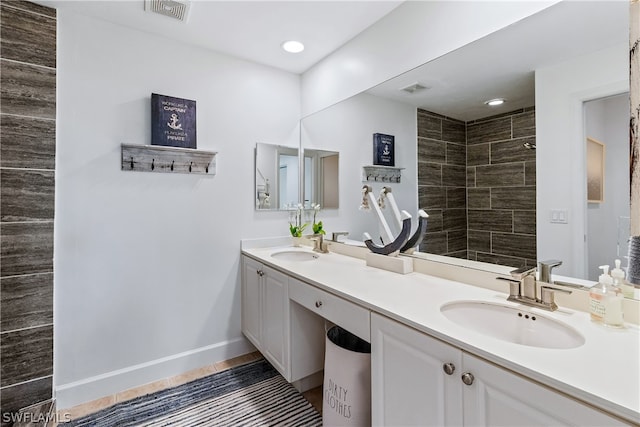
317 226
296 227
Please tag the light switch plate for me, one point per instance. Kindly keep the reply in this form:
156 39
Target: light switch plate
559 216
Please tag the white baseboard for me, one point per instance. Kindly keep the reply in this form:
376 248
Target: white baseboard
307 383
107 384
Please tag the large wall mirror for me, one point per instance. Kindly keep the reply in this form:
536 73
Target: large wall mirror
507 184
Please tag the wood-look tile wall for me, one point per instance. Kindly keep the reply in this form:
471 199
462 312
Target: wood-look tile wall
27 163
634 123
499 184
442 156
501 189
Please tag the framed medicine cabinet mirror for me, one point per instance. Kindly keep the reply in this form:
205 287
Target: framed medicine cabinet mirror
276 177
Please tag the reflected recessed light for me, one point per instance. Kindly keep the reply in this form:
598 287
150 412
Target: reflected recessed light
494 102
293 46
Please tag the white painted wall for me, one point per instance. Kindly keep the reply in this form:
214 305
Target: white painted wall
607 120
348 128
561 91
412 34
147 281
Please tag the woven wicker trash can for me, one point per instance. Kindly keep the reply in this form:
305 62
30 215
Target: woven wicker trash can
346 399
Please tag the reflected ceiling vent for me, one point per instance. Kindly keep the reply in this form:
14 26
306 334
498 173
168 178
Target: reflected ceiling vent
174 9
413 88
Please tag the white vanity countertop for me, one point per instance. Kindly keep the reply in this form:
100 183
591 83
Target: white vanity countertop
604 372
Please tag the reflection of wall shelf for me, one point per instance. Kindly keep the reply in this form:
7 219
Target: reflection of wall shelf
381 173
156 158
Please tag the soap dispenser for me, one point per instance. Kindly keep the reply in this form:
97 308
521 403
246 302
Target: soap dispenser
605 301
619 280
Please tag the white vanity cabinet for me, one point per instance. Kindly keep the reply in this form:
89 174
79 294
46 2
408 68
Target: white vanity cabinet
289 335
265 312
348 315
409 386
419 380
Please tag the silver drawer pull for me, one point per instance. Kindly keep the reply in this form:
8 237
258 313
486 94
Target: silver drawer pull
467 378
318 304
449 368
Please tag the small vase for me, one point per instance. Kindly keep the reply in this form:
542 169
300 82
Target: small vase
296 242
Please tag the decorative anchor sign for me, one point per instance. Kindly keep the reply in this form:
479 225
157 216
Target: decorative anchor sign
173 121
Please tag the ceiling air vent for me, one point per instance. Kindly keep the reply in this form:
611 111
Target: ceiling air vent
413 88
174 9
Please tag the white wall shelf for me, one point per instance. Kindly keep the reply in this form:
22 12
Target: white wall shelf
156 158
381 174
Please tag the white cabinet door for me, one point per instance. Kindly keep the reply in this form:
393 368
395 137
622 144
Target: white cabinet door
275 320
498 397
409 384
252 300
265 312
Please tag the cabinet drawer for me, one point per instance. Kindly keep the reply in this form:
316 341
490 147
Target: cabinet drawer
346 314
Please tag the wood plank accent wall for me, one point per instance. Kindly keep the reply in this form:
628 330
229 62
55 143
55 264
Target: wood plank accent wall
27 169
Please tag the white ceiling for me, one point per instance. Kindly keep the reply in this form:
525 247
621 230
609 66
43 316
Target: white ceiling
502 64
252 30
499 65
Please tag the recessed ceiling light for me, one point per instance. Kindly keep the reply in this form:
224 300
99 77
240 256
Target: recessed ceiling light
494 102
293 46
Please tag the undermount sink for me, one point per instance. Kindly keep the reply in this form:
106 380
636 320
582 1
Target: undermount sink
291 255
512 324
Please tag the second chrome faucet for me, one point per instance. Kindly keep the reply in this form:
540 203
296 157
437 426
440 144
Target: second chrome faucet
319 245
523 289
545 269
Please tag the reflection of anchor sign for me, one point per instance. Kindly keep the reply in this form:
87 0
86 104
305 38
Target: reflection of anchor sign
173 124
386 151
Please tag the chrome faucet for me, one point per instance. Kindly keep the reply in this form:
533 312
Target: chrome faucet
319 244
336 234
545 275
545 269
523 289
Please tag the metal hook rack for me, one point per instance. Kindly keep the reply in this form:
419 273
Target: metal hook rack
154 158
381 174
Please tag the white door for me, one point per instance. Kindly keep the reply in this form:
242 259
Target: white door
251 297
275 316
409 384
498 397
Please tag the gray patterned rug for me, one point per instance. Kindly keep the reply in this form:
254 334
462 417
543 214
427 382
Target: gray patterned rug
249 395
